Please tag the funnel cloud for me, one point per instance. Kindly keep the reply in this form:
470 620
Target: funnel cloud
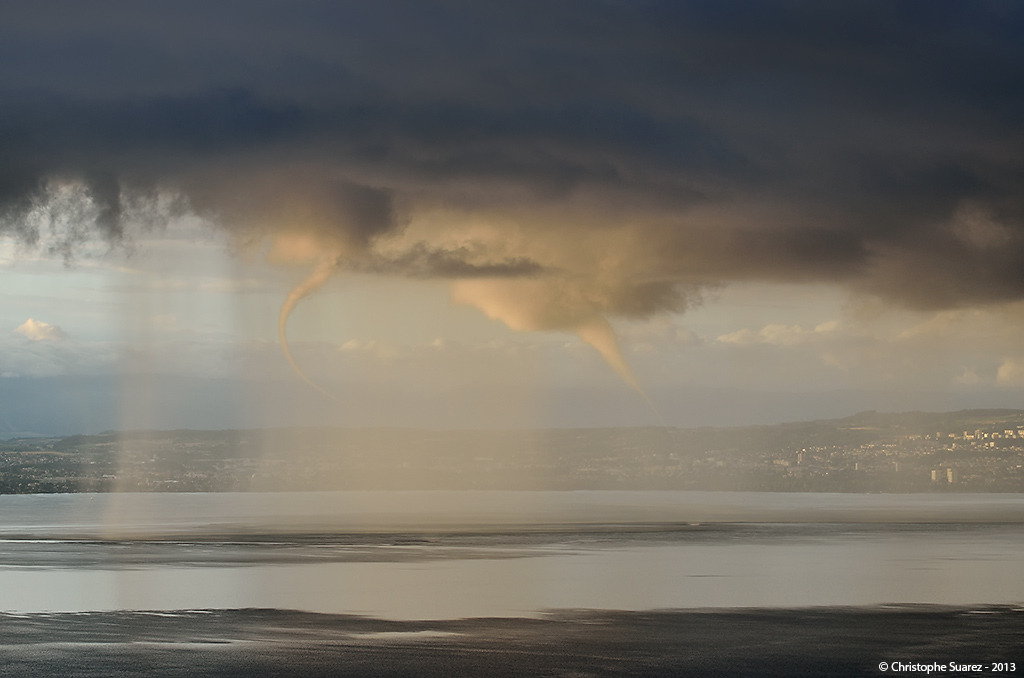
564 164
317 279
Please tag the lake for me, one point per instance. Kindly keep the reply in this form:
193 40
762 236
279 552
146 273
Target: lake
453 555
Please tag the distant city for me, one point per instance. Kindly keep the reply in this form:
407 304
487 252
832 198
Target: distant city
966 451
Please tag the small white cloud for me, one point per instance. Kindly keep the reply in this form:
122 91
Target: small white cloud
1011 373
777 335
37 330
780 335
742 337
783 335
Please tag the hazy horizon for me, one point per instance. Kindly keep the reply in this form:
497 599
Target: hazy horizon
57 406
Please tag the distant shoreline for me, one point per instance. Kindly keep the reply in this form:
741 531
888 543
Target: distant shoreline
972 451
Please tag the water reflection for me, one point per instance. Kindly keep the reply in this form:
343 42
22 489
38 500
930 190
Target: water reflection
467 576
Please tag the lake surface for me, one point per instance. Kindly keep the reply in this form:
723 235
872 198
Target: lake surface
451 555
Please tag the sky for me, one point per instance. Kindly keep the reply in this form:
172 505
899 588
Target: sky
470 215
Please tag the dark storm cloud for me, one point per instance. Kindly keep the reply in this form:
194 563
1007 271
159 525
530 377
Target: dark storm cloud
876 143
420 261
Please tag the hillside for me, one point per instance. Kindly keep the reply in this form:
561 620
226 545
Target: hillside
969 450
